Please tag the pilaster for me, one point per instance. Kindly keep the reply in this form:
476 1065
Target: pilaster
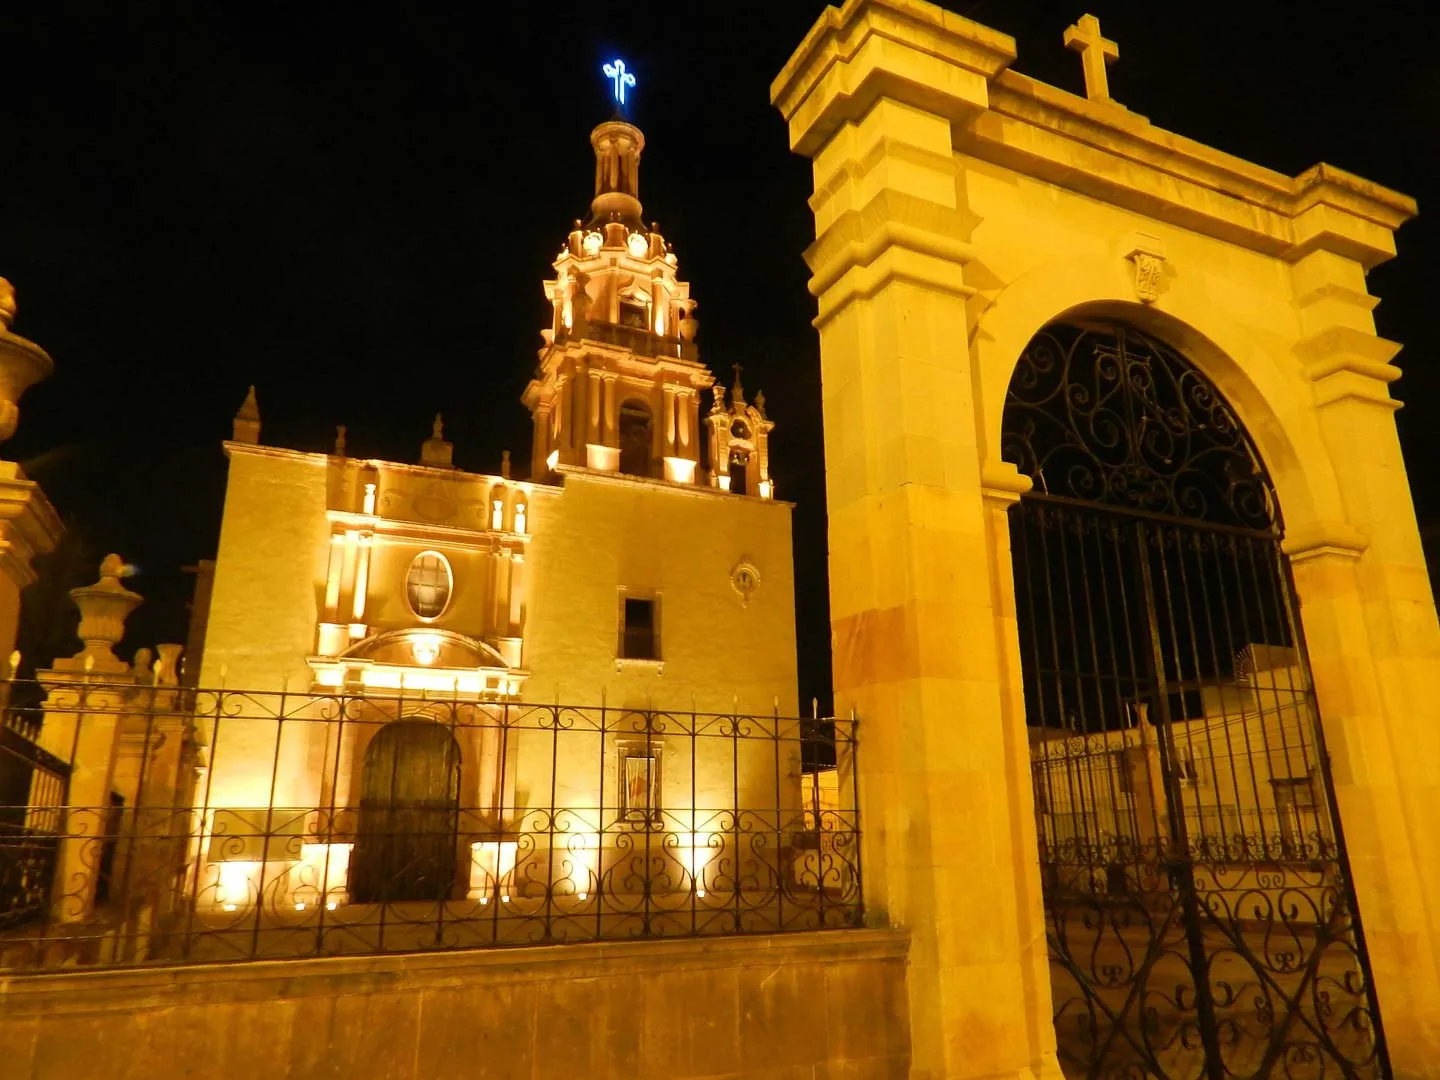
1374 645
920 572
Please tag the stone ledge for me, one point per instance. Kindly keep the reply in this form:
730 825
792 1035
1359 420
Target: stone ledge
267 980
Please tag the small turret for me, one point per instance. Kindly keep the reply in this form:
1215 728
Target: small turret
435 451
247 421
740 442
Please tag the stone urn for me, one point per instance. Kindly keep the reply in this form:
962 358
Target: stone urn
22 364
688 326
104 608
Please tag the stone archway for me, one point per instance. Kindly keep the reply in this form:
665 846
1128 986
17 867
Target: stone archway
1182 791
960 207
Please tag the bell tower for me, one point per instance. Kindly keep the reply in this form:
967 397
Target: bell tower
619 381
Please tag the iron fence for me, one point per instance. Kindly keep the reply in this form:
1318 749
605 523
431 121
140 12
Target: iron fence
219 825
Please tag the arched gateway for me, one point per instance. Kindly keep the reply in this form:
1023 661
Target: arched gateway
1092 719
1199 916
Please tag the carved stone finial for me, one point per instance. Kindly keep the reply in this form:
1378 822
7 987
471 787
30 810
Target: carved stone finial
505 464
246 427
760 403
737 392
104 607
143 665
717 405
437 430
339 440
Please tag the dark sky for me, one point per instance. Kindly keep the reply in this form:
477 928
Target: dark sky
352 207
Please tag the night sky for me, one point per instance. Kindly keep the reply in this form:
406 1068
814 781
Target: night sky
352 207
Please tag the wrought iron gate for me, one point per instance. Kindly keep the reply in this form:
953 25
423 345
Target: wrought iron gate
1200 920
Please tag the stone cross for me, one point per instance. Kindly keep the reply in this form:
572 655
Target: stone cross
1095 52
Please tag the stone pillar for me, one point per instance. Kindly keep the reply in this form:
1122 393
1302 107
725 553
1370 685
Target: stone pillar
596 402
612 411
1374 648
688 421
949 845
86 697
659 420
668 423
922 597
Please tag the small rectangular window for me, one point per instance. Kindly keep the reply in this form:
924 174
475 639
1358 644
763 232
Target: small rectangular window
638 640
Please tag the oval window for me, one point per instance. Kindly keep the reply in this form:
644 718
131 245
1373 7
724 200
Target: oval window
738 430
427 586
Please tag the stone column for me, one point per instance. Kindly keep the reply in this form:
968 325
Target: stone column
596 401
564 411
540 443
610 412
671 421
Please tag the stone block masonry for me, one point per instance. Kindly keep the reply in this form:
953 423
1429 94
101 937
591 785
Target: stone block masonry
820 1006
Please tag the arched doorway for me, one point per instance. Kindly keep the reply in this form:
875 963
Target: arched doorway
635 438
409 813
1200 921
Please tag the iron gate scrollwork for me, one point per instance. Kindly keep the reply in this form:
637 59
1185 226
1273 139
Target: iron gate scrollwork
1200 919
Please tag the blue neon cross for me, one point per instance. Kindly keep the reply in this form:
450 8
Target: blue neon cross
622 78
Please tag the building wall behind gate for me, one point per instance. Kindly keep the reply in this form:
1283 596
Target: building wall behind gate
807 1006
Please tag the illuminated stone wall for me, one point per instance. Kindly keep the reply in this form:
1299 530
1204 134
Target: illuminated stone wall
803 1004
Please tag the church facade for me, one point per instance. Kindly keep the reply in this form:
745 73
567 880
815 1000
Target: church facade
643 570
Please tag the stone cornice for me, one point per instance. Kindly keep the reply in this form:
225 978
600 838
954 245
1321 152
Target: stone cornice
425 471
694 491
29 525
916 53
891 219
410 529
906 49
